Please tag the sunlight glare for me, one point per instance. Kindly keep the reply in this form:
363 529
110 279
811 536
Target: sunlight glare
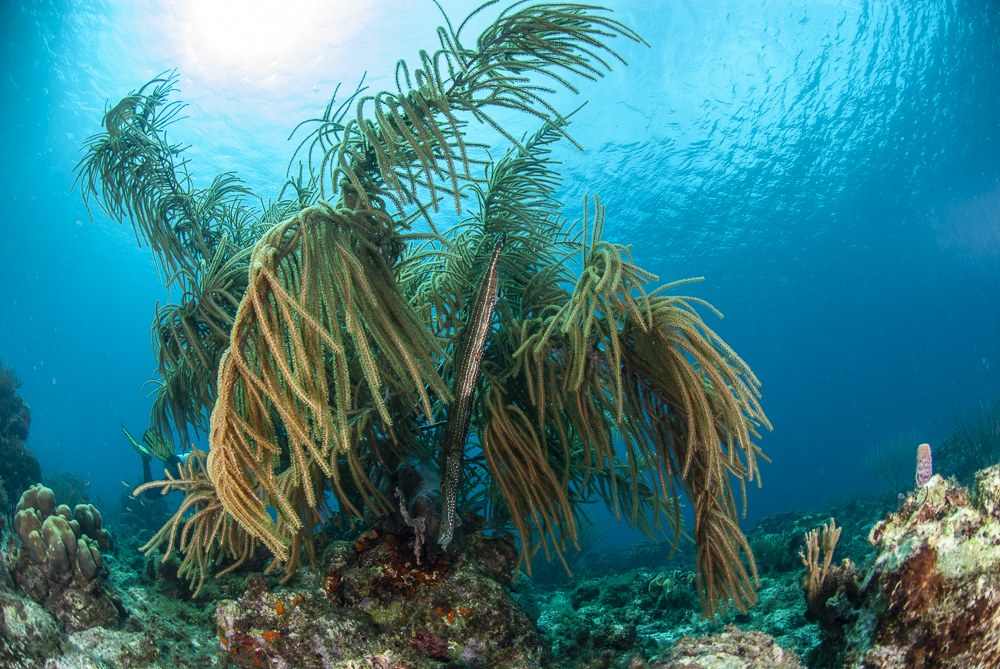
255 33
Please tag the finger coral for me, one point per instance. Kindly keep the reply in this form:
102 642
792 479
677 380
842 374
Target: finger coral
57 541
61 564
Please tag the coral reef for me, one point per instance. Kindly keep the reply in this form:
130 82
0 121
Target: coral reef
18 466
369 599
610 620
932 595
30 638
59 562
138 629
374 600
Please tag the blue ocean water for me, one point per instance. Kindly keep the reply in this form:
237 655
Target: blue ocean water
832 170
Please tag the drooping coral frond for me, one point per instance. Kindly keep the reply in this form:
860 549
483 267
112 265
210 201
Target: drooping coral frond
612 358
200 238
183 400
696 426
206 311
321 333
310 516
134 173
526 43
200 529
534 493
571 352
189 339
516 201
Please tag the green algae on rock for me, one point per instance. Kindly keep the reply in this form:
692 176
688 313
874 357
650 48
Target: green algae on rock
932 594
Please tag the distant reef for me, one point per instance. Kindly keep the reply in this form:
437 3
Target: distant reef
18 467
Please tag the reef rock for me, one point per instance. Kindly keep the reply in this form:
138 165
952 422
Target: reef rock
932 596
112 648
376 603
733 649
28 634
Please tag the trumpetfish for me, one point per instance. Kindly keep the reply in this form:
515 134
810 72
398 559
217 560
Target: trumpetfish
466 377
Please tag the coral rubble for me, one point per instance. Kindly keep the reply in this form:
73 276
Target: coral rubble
732 649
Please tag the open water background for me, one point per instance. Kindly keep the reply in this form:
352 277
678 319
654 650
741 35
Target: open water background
831 168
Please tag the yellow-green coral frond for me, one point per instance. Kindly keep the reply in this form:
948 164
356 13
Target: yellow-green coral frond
200 529
323 334
408 144
612 357
694 404
535 495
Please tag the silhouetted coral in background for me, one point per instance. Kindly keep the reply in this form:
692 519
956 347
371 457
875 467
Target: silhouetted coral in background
18 467
70 488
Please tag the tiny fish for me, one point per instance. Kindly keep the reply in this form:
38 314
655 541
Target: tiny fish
126 483
86 483
96 498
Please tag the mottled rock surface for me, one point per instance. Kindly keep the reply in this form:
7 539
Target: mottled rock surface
932 597
116 648
28 634
374 606
732 649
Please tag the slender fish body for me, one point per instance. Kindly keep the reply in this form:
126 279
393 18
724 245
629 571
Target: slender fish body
466 376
